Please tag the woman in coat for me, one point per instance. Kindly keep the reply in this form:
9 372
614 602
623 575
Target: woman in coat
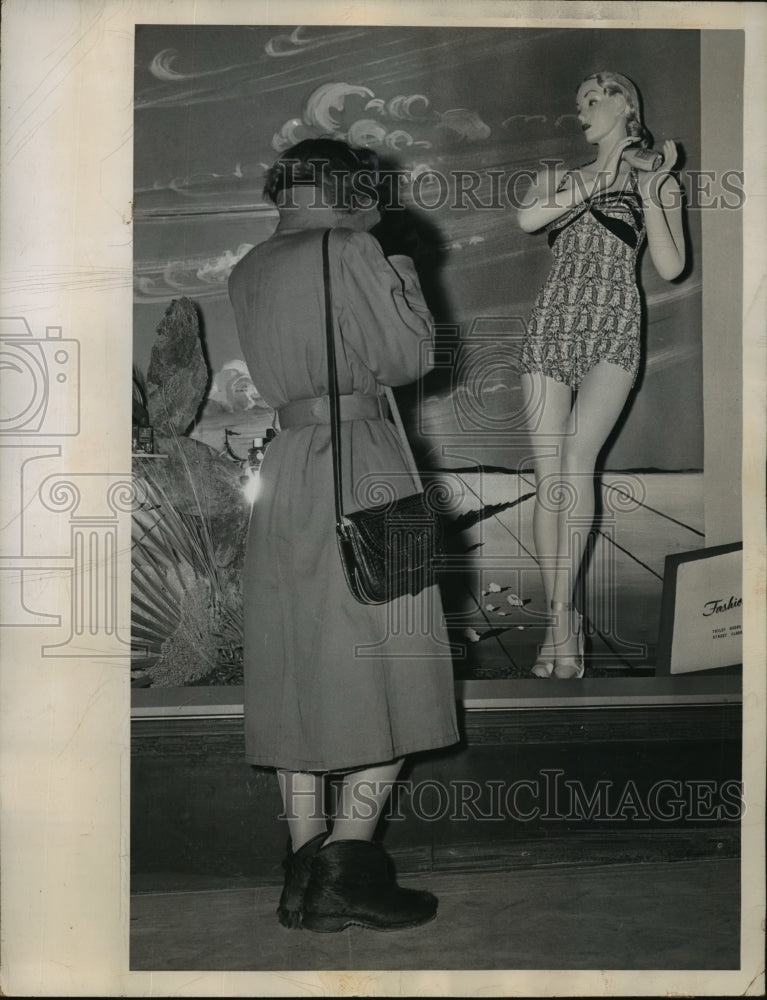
332 685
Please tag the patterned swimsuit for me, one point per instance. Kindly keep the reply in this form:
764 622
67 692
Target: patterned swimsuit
589 309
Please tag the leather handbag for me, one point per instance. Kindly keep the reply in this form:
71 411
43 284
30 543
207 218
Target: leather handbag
391 549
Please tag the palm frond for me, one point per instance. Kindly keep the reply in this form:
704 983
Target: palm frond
175 567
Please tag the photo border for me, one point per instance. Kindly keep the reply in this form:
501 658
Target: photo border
67 84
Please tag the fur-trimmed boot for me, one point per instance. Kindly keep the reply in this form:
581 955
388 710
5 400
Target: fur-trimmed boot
352 882
297 867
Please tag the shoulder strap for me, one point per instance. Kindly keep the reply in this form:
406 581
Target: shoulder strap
335 417
335 430
403 436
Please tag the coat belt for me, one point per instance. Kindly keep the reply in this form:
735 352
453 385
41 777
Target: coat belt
354 406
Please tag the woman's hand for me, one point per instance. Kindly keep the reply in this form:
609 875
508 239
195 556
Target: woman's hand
551 195
670 155
651 181
607 175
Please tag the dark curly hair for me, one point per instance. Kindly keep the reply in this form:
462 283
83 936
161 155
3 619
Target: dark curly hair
347 177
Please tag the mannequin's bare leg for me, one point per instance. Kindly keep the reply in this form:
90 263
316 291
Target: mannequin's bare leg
598 404
547 411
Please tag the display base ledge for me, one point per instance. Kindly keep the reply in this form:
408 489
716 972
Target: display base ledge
481 695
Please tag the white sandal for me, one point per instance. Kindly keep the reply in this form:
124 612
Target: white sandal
570 667
543 666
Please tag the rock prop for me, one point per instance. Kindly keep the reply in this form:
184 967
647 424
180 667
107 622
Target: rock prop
197 480
177 375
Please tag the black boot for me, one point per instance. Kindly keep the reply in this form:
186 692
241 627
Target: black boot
297 867
352 882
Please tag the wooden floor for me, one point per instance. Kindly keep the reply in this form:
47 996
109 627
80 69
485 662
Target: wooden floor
643 517
657 916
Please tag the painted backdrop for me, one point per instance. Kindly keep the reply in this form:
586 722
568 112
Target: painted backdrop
215 105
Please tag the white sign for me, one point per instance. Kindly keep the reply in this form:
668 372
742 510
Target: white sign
708 614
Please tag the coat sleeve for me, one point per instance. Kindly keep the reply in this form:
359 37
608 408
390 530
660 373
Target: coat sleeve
383 316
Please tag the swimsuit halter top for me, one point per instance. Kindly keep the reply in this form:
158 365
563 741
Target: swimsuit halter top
627 200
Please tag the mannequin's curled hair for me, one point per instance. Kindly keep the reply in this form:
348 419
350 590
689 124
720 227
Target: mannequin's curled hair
617 83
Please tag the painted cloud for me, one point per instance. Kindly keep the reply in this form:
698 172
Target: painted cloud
354 113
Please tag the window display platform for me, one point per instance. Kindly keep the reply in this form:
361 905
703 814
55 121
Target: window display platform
712 688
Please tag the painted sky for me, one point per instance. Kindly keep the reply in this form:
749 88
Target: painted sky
215 105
